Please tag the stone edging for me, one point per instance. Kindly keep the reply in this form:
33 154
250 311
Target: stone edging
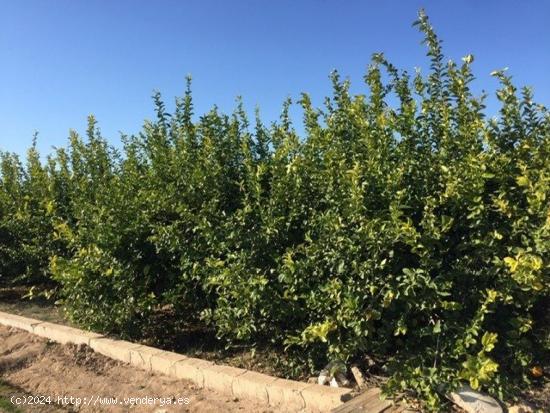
231 381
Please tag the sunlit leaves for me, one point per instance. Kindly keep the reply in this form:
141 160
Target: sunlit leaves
402 225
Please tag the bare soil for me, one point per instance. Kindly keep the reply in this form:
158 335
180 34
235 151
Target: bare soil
13 300
32 366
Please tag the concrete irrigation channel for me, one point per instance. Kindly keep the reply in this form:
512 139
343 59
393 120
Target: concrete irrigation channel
46 364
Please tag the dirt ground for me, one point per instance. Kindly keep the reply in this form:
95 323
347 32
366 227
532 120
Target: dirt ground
31 366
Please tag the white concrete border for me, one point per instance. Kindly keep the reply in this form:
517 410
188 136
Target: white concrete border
231 381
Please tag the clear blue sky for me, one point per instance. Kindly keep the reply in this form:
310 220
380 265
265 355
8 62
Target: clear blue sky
61 60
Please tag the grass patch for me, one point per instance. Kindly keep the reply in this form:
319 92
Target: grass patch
6 392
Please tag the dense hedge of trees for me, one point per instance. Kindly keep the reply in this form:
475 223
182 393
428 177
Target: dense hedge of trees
403 225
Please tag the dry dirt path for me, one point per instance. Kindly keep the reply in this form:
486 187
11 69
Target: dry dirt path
32 366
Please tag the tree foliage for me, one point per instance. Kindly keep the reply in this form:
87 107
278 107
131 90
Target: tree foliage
403 225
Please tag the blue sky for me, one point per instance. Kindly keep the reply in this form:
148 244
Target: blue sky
64 59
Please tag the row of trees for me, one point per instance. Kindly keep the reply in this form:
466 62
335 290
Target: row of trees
404 225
